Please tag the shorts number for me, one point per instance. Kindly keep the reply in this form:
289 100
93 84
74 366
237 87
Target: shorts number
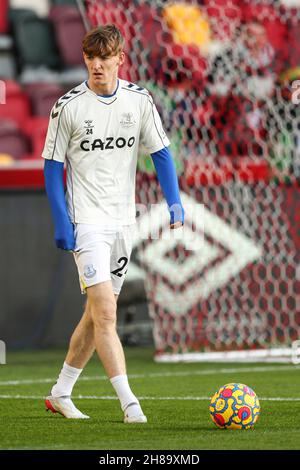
123 263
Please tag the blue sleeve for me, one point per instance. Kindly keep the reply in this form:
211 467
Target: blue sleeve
54 184
168 181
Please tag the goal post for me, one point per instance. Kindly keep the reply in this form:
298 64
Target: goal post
222 75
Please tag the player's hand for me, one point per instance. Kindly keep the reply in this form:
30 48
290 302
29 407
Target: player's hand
176 225
176 214
64 236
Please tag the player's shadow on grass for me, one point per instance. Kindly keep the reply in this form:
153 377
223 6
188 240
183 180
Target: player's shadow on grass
98 420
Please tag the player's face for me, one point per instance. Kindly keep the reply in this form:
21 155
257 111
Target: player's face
103 71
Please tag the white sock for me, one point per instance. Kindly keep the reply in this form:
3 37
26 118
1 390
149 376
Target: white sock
123 390
66 381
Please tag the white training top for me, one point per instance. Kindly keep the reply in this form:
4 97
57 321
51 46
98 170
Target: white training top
99 137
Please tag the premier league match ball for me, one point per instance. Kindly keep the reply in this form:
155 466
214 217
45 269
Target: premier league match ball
234 406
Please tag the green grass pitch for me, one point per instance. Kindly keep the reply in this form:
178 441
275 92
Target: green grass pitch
174 398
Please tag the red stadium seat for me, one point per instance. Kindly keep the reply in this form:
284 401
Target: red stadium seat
3 16
43 96
225 16
35 128
69 32
17 107
12 87
12 141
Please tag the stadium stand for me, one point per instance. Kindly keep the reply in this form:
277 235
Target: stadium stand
7 63
64 2
35 40
40 47
40 59
19 105
41 7
27 115
12 141
224 95
35 129
69 32
3 16
42 96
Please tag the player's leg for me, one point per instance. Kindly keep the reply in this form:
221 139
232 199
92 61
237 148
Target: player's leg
80 351
103 308
120 255
82 344
92 257
109 348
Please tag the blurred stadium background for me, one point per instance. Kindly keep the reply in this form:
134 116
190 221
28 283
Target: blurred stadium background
222 74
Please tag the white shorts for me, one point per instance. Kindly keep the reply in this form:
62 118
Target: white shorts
102 254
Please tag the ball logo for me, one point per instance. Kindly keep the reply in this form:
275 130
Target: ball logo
220 404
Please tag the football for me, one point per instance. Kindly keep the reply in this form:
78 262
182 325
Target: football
235 406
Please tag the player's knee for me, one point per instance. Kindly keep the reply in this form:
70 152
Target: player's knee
104 315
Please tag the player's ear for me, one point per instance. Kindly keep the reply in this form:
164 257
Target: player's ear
121 58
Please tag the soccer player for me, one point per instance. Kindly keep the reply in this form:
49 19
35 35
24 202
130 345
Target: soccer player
96 128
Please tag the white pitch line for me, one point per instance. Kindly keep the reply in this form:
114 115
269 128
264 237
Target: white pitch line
230 370
95 397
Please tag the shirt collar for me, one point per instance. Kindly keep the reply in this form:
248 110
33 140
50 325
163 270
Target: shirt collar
103 96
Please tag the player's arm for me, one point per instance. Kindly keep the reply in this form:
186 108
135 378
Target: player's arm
54 152
167 177
54 184
154 138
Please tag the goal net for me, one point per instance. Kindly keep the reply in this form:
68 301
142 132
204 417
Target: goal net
223 74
